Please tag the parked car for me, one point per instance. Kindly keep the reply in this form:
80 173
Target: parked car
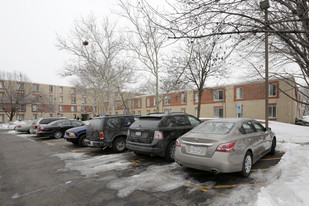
225 146
24 126
57 128
155 134
109 131
38 122
77 135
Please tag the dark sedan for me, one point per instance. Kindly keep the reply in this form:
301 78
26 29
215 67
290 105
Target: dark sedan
57 128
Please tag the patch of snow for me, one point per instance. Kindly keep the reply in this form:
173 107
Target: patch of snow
91 166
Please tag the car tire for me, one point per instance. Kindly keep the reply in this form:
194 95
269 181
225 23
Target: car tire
119 144
170 151
246 165
273 147
81 141
58 135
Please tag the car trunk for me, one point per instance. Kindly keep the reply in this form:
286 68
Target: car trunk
94 128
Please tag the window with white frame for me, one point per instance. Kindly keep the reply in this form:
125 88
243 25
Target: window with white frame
1 118
167 100
83 92
1 95
83 109
73 91
154 102
272 111
133 104
218 112
60 99
148 101
84 100
196 97
183 98
51 108
272 90
50 99
60 108
1 107
73 100
73 109
36 87
35 116
22 108
20 117
20 86
1 84
50 88
61 90
218 95
35 108
239 93
139 103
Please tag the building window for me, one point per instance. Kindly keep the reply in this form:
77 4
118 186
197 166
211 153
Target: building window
148 111
61 99
148 101
1 85
272 111
183 98
1 107
155 102
83 109
167 100
20 117
20 86
50 89
61 90
1 95
35 116
133 104
218 112
60 108
84 92
239 93
139 103
84 100
196 97
22 108
73 109
36 88
73 91
51 108
73 100
183 110
1 117
139 113
218 95
35 108
50 99
272 89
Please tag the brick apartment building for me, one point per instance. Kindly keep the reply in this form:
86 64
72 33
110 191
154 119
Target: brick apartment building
239 100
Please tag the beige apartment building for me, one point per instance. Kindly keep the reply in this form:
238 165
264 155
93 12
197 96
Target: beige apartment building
239 100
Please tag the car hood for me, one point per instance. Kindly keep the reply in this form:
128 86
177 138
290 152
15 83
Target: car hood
76 129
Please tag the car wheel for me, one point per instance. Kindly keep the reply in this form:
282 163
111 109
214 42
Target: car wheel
119 144
81 140
170 151
273 147
58 134
246 165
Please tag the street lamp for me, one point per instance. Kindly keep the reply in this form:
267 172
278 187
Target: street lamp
264 5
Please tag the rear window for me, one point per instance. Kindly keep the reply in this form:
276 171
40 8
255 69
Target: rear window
147 122
95 123
213 128
46 121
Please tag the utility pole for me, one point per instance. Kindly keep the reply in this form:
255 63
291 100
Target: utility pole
265 6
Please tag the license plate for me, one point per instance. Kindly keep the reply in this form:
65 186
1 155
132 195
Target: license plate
196 149
138 133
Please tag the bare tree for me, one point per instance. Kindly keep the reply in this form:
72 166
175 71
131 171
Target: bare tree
146 41
96 59
17 92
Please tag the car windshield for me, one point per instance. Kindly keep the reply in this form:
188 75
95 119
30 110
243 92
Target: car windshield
213 128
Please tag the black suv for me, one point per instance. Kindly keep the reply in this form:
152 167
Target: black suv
155 134
109 131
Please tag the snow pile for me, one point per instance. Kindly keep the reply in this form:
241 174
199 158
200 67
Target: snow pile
12 125
90 167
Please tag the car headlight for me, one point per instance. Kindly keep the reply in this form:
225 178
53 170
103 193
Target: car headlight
72 134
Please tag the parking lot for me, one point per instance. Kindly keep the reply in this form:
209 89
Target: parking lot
62 173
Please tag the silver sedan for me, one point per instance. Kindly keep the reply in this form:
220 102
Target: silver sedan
225 145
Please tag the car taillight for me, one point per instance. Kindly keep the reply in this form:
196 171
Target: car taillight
36 126
41 128
178 143
227 147
158 135
19 126
101 135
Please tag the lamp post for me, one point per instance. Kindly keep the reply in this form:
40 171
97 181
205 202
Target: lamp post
265 6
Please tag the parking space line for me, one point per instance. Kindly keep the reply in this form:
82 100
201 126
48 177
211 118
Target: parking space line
51 144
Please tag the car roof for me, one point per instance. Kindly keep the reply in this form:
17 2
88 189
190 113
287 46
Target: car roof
165 114
232 120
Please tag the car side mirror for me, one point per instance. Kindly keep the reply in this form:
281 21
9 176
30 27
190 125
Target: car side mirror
268 129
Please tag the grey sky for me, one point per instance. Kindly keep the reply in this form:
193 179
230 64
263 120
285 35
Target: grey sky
28 34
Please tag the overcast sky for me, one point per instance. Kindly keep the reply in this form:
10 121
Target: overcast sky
28 34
